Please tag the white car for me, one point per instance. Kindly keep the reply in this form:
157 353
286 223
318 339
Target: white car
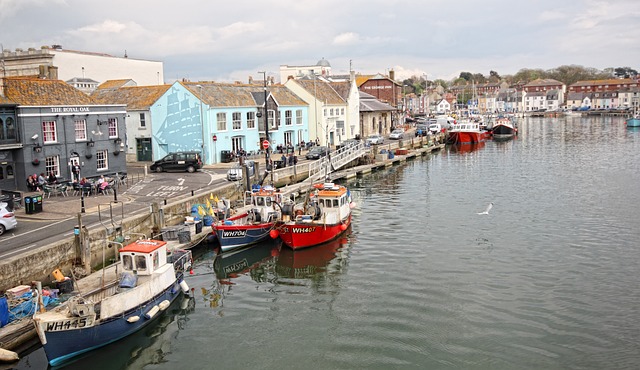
396 134
375 139
7 218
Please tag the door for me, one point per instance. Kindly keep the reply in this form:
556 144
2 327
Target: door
75 169
143 149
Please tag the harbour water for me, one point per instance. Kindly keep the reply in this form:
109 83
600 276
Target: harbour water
546 280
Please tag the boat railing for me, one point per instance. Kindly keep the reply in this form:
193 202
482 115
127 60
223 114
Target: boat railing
181 260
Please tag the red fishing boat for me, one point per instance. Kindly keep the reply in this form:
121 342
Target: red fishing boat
464 132
323 217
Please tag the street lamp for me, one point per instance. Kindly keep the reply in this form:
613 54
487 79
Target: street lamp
202 126
266 123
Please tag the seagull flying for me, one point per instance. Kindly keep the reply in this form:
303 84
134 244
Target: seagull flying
486 211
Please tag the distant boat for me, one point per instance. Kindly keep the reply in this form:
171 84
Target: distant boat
633 122
503 129
466 132
150 279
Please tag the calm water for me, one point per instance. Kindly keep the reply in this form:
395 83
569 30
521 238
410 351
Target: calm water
547 280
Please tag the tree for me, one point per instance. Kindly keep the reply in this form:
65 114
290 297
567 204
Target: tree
625 72
467 76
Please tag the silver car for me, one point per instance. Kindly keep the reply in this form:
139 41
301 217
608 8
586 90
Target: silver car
7 218
396 134
375 139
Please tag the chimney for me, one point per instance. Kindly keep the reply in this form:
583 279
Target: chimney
352 76
250 80
392 74
1 86
53 73
272 80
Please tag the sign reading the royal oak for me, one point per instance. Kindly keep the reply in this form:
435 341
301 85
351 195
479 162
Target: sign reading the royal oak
70 110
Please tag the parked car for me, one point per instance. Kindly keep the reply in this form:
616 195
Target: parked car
7 218
236 172
317 152
396 134
179 161
435 128
375 139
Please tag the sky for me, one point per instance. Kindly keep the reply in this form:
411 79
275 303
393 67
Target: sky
225 41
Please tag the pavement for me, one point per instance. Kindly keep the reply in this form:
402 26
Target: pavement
58 207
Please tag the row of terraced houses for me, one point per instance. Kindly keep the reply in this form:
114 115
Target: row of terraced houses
63 107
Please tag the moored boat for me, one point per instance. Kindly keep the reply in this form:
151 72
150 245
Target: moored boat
253 222
323 217
503 129
464 132
151 278
633 122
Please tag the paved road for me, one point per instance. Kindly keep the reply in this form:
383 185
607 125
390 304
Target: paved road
59 216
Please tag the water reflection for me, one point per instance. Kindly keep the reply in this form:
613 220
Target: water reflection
309 262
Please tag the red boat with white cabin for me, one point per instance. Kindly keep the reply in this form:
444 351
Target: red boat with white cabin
464 132
322 218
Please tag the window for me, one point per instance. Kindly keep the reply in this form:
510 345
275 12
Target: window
298 116
141 263
251 120
52 164
101 160
49 132
156 260
143 122
127 262
236 120
342 111
331 112
113 127
221 119
287 118
272 118
81 129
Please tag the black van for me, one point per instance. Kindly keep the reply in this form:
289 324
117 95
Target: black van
179 161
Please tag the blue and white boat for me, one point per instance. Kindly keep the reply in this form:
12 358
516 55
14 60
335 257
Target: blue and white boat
251 223
118 305
633 122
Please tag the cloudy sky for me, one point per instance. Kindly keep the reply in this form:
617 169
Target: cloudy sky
230 40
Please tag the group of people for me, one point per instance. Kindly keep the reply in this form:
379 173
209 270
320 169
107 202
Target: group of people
291 160
36 183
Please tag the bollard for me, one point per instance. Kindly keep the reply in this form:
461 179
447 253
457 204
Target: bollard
115 195
192 192
82 201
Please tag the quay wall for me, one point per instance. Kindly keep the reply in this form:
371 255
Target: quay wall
38 264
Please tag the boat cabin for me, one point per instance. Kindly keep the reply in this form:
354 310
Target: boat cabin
144 256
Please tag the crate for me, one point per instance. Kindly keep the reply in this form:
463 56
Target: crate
18 291
171 232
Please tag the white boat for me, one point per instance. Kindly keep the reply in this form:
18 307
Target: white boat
118 305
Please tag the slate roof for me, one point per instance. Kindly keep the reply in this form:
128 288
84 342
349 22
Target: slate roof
241 95
135 97
342 88
32 91
368 103
611 81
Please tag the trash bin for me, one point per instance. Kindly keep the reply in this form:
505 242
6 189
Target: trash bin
37 201
225 156
28 206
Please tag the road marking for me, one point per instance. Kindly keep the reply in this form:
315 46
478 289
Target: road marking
180 181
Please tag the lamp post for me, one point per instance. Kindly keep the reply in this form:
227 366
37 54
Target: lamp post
266 124
202 126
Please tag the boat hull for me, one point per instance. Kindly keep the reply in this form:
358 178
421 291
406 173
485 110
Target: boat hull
62 346
299 235
466 137
237 236
503 130
633 122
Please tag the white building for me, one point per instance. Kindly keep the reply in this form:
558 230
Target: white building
322 68
70 64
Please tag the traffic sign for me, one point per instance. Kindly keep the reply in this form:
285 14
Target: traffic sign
265 144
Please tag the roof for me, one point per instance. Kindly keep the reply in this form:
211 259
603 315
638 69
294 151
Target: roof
368 103
143 246
241 95
342 88
135 97
30 91
544 82
114 84
611 81
323 91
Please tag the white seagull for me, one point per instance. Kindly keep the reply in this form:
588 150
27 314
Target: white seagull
486 211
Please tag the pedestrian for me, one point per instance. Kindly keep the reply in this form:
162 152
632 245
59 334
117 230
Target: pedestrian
295 160
283 159
52 179
300 147
290 159
75 169
41 180
32 183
